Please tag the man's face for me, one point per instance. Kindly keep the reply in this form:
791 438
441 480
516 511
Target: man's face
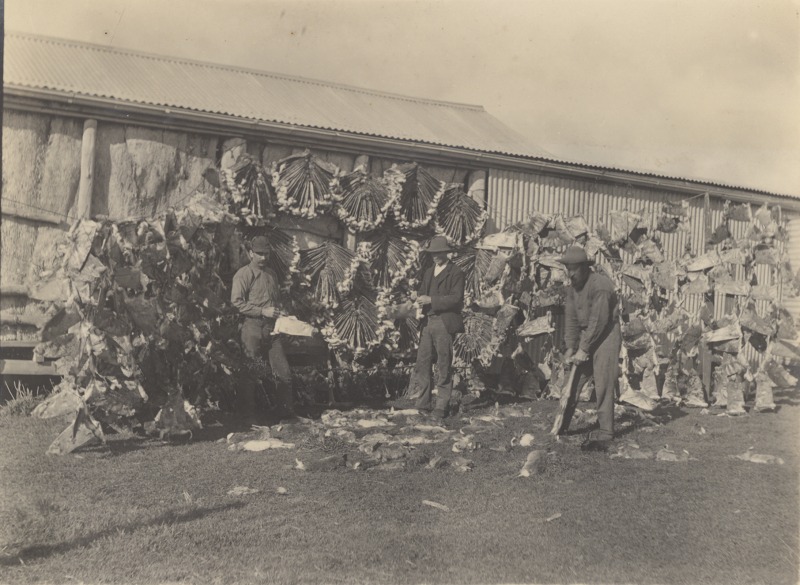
260 258
578 273
439 258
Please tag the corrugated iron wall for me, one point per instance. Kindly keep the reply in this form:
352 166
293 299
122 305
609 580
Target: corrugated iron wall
793 250
513 196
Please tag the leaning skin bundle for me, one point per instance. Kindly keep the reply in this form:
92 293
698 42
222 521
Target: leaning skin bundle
459 217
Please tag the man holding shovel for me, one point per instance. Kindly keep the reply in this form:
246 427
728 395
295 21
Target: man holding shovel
593 340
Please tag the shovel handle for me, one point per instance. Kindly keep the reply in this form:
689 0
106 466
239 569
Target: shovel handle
566 396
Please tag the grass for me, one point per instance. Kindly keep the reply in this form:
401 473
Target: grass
143 511
22 400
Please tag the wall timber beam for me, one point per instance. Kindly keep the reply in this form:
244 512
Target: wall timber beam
86 184
26 368
31 214
71 104
16 290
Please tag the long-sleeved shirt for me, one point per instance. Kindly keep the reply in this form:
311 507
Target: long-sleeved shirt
590 312
255 288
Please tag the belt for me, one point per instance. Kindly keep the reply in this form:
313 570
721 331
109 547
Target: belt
261 319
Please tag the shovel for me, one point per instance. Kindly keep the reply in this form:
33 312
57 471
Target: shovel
566 405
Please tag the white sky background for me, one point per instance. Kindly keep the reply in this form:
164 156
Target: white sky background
703 89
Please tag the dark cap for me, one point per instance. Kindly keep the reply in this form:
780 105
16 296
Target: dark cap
260 245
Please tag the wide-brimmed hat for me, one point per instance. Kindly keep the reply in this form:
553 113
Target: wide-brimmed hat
438 244
260 245
575 255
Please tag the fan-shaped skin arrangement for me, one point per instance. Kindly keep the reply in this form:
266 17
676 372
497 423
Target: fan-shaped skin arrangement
250 188
477 336
473 263
363 201
330 269
356 324
304 184
392 257
419 197
459 218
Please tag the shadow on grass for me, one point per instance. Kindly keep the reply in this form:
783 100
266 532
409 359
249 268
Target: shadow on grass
41 551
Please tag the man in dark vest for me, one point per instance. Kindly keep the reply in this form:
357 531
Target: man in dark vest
441 298
256 294
593 339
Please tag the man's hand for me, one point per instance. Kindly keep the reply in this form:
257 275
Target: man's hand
568 356
271 312
424 300
580 357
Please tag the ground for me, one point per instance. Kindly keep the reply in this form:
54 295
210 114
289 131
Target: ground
148 511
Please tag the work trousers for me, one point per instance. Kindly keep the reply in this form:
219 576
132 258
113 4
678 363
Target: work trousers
434 338
258 343
603 366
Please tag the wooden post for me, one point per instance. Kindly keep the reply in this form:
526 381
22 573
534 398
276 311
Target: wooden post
231 149
86 184
781 249
362 161
476 189
707 228
705 353
705 368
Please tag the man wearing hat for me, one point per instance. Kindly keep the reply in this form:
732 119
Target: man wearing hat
441 298
593 339
256 294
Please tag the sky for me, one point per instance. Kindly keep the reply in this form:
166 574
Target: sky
699 89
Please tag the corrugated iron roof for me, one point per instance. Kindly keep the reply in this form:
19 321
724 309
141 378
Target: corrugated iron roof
46 63
32 61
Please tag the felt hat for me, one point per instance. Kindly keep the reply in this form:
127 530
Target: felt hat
438 244
575 255
260 245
